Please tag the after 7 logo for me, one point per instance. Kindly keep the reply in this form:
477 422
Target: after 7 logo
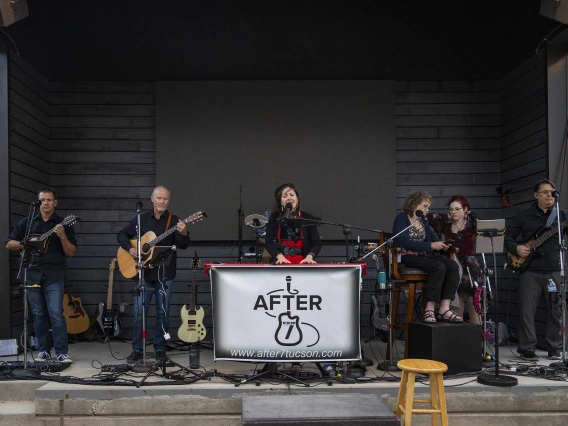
288 331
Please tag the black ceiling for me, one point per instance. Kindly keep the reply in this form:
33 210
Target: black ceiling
149 40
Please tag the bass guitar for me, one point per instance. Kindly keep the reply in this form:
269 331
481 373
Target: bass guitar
127 263
518 263
108 323
192 329
75 317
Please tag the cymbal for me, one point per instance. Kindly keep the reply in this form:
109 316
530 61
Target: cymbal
255 221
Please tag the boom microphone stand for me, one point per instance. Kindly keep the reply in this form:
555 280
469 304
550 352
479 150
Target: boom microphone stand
388 364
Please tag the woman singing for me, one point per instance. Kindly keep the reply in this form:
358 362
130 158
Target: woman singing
291 240
460 225
420 249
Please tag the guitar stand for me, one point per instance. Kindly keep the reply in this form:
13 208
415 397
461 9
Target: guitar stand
270 371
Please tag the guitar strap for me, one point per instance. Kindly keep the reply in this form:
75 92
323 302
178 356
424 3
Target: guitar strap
551 217
168 222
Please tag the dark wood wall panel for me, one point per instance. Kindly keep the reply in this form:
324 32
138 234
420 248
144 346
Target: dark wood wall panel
524 159
448 138
30 162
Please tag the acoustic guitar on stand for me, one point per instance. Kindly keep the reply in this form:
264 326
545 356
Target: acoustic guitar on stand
518 263
192 329
75 317
128 264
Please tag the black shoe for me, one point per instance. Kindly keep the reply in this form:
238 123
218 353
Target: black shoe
134 357
554 354
529 356
160 356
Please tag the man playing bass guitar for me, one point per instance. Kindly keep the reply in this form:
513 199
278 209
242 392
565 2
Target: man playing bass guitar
158 221
542 265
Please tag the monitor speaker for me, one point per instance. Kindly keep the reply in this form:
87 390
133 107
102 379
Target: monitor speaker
456 345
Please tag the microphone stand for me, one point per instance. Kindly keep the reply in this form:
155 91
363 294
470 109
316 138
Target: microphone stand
388 364
240 222
24 265
561 247
346 231
142 367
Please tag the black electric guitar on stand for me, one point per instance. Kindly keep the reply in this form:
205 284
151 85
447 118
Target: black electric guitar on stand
108 323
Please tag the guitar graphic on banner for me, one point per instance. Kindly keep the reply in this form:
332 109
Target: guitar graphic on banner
288 332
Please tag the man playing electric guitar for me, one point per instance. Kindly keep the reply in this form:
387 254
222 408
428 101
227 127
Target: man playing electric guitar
543 266
158 220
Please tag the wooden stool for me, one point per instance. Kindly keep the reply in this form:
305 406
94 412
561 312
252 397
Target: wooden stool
437 399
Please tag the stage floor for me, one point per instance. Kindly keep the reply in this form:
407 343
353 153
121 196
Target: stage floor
89 357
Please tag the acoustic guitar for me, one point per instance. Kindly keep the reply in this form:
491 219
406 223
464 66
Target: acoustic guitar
192 329
75 317
518 263
127 263
108 323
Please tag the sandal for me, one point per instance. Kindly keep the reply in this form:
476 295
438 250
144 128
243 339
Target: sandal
454 318
429 317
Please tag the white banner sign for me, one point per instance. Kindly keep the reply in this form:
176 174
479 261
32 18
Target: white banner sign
286 313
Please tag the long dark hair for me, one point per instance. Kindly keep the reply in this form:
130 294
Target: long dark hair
277 210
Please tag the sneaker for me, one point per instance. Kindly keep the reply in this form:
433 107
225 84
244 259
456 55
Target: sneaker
160 356
134 357
43 356
554 354
529 356
64 358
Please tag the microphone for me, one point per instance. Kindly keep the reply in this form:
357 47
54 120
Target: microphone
421 215
555 194
288 208
139 205
36 203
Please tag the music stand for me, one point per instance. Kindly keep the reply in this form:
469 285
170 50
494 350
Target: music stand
161 256
490 239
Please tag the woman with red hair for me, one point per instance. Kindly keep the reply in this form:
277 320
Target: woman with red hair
460 225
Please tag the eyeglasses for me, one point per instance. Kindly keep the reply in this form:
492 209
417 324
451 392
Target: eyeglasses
426 206
457 209
546 192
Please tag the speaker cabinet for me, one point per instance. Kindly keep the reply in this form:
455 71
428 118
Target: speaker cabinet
12 11
456 345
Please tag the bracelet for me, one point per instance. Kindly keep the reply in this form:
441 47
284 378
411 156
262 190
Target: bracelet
313 255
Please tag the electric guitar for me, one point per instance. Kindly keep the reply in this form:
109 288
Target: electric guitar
39 244
127 263
75 316
108 323
192 329
518 263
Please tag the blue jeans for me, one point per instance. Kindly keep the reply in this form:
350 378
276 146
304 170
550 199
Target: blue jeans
162 318
47 307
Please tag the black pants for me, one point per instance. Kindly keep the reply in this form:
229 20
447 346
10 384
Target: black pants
444 275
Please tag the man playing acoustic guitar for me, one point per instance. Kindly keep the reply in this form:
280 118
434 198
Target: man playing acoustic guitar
158 221
542 264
